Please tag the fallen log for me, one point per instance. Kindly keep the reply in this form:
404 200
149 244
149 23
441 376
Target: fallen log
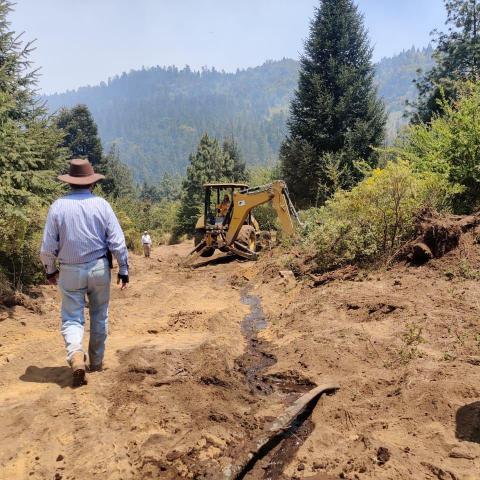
273 434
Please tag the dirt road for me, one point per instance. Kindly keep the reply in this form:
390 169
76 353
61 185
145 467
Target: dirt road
174 400
191 384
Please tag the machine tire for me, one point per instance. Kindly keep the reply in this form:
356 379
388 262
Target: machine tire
248 237
197 239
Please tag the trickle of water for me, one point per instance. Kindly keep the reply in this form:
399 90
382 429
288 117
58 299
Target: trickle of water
254 361
255 320
269 465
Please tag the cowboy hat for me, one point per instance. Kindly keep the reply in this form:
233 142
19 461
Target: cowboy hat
80 173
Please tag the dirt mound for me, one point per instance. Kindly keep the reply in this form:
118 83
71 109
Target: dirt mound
33 301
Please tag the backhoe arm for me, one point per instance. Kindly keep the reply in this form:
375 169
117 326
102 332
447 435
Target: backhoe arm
245 201
279 203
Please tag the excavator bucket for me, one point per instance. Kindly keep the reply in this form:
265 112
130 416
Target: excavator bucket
195 254
242 251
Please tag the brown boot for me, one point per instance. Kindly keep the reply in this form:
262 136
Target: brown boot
78 369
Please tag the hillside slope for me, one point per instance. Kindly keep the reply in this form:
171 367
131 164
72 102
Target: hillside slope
395 77
157 115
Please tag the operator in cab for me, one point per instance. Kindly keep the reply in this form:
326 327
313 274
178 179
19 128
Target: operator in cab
223 207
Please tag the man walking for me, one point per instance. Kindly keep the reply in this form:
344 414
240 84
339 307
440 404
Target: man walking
147 244
80 232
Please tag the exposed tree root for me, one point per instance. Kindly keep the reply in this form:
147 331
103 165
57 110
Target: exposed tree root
436 235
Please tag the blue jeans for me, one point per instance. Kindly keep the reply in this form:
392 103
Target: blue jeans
90 279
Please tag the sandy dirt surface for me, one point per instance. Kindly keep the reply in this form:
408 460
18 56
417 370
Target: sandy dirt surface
404 345
190 386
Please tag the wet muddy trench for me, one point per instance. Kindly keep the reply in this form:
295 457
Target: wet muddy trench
271 460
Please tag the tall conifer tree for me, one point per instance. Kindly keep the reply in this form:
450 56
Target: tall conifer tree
29 143
118 177
457 56
336 117
81 133
30 156
239 168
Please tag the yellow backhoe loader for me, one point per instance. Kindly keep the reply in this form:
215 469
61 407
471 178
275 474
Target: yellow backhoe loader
228 224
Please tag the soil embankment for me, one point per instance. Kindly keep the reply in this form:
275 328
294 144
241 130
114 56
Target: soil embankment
195 375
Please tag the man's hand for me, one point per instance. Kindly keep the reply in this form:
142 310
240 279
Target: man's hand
124 279
52 278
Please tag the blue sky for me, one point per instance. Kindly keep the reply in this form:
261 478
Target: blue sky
81 42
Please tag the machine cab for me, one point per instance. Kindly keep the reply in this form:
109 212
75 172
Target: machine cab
218 204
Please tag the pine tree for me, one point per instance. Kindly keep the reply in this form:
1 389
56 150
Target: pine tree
149 193
30 157
17 79
239 170
29 142
457 57
336 117
81 134
208 164
29 152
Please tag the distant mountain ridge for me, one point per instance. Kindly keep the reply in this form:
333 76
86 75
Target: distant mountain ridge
157 115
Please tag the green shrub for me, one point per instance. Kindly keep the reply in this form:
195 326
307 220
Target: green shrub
449 146
20 238
371 221
266 216
130 230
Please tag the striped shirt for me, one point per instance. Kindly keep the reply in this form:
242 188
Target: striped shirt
80 228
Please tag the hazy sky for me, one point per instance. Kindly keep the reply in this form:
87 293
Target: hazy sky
81 42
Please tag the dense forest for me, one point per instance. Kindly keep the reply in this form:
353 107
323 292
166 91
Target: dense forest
156 116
